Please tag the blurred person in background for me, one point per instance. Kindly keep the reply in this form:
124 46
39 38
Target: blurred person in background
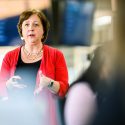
34 71
112 110
82 103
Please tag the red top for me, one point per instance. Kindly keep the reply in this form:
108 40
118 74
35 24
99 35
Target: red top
53 65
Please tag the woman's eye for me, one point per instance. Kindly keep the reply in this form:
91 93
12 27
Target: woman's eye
26 24
36 24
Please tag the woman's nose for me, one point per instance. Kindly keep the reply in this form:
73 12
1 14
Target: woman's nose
31 28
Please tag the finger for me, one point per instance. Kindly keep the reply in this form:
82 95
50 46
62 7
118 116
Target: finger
38 90
20 86
40 73
15 78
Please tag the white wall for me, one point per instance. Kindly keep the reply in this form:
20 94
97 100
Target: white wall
3 51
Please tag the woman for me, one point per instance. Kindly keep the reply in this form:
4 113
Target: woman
34 69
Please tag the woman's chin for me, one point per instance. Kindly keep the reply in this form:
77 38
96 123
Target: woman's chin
32 41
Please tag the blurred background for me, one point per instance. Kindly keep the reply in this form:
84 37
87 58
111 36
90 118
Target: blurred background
77 27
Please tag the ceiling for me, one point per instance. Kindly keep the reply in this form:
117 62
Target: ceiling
10 8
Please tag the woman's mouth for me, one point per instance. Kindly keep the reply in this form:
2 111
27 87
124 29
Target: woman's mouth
31 35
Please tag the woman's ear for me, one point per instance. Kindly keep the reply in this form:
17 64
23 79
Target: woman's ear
22 38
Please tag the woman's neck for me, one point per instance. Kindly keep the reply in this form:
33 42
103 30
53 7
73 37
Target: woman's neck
33 48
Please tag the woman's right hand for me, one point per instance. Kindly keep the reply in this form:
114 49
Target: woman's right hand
13 83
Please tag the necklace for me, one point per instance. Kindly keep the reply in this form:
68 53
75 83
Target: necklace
33 56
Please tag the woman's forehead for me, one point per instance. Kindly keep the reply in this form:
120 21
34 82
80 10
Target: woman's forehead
34 18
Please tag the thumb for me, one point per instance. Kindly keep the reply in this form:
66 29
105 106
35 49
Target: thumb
40 73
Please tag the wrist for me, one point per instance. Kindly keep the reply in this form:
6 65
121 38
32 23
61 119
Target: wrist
50 85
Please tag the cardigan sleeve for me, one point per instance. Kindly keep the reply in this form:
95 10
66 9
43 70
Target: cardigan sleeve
4 74
8 68
61 73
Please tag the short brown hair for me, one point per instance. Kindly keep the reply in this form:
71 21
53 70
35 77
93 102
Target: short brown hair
26 14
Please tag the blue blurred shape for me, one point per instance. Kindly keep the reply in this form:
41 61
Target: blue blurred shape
78 18
8 31
3 38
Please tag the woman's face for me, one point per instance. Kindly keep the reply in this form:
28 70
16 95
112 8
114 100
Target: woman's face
32 30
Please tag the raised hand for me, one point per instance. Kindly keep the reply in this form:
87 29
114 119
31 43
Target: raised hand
44 82
14 82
